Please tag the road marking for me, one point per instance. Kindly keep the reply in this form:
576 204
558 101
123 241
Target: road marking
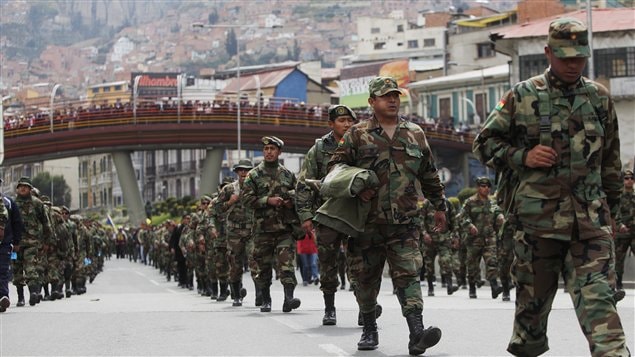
293 326
140 273
333 349
154 282
172 291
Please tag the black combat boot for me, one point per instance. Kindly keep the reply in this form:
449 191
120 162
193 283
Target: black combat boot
420 338
430 286
619 284
223 293
258 294
290 303
214 288
33 294
496 290
360 316
239 293
47 295
505 285
56 292
472 290
20 290
448 284
460 281
370 337
69 291
266 299
329 318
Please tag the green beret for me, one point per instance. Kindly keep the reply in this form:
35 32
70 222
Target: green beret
340 110
484 181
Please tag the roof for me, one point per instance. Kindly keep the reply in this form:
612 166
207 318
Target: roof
604 20
463 77
108 84
482 22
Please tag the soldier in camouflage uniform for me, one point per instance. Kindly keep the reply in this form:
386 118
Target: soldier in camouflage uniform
58 249
203 228
625 237
555 139
329 241
399 154
11 229
479 218
37 229
69 236
238 228
219 242
439 244
269 189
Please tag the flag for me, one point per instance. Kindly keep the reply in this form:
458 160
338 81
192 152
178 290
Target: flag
109 221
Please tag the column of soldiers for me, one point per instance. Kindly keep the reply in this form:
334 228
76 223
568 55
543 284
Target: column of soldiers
58 251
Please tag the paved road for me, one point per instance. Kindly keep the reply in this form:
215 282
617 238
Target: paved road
131 310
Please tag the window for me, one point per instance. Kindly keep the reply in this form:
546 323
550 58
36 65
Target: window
380 45
399 28
374 30
413 44
106 89
428 42
532 65
444 109
615 62
485 50
480 101
118 88
95 90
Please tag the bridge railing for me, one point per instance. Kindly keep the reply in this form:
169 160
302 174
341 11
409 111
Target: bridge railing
79 115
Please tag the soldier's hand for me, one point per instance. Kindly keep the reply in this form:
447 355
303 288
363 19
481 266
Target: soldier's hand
275 201
233 199
623 228
288 203
427 239
16 248
440 223
307 226
541 156
473 230
367 194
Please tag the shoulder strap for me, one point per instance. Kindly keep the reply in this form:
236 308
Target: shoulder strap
319 154
544 109
596 102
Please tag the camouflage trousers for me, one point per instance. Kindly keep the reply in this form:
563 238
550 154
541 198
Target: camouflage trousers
27 267
221 263
239 246
275 248
441 247
210 262
505 252
55 269
398 245
200 267
536 270
459 259
485 248
329 242
621 248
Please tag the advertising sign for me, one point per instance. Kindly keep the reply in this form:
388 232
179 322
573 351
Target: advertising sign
354 80
153 84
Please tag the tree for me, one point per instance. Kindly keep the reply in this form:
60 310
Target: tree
231 43
58 191
212 18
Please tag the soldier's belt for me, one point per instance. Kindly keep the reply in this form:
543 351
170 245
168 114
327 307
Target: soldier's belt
238 226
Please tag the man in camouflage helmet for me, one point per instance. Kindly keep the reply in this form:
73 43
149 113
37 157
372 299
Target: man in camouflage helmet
480 216
238 227
269 189
555 137
626 227
341 118
37 229
398 153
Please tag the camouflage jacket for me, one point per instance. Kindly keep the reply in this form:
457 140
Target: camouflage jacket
314 167
480 213
270 180
585 185
627 214
237 215
399 164
36 221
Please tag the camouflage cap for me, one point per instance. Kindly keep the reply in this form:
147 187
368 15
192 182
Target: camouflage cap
568 38
340 110
24 181
206 198
484 181
244 164
380 86
35 192
266 140
64 208
628 173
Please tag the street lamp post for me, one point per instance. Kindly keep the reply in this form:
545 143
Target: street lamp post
51 111
2 127
238 91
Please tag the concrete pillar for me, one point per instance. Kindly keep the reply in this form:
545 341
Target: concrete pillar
466 169
211 171
130 189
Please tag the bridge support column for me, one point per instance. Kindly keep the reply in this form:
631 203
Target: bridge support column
211 170
129 187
